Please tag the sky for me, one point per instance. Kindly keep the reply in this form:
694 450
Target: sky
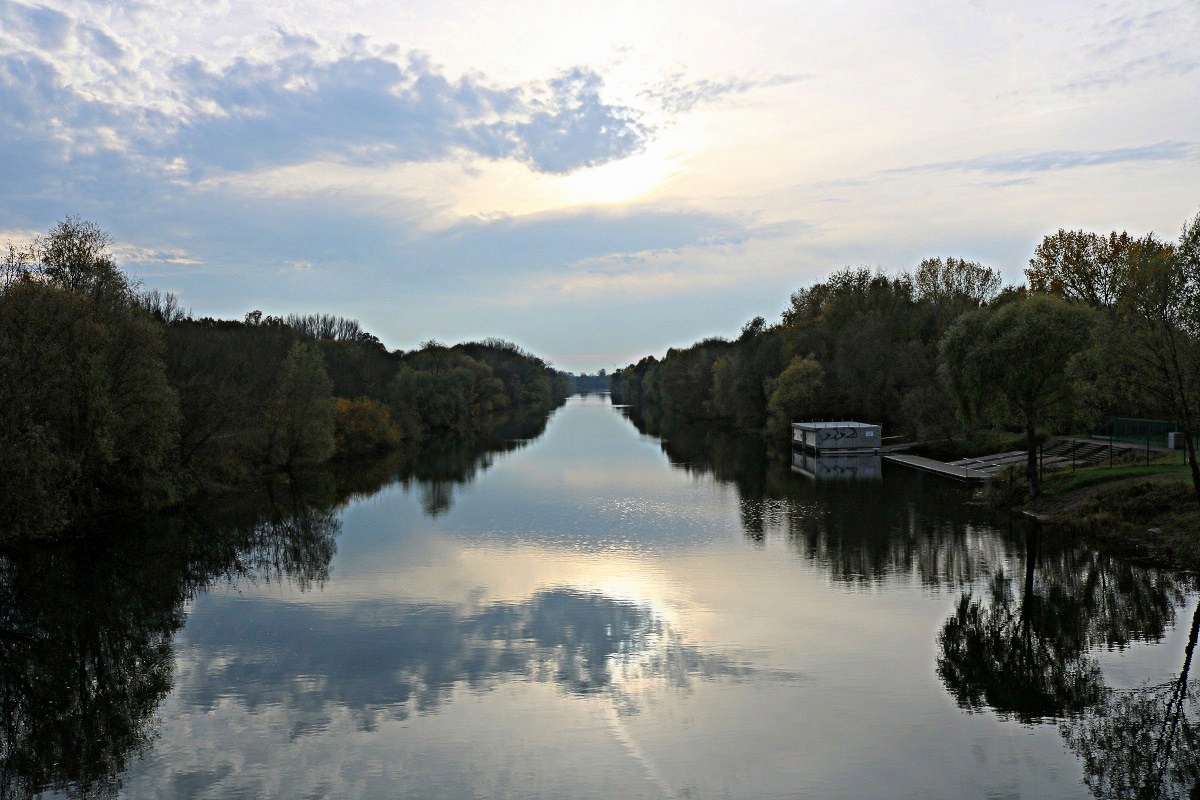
595 181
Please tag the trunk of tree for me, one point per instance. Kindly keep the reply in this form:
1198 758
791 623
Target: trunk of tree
1031 461
1190 649
1189 441
1032 540
1168 737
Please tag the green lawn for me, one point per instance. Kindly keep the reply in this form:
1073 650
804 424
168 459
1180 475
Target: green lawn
1149 512
1064 481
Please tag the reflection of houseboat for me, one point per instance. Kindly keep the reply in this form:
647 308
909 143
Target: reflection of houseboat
838 466
837 436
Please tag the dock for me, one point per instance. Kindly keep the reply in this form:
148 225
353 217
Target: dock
956 472
829 448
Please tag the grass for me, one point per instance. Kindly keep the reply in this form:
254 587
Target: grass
1145 511
1064 481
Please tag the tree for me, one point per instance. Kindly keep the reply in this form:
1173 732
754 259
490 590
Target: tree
793 392
1157 327
74 256
364 426
1011 363
226 373
954 285
90 420
300 418
1078 265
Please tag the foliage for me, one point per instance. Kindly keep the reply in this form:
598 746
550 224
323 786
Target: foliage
794 392
586 384
117 398
225 373
954 286
329 327
1145 359
527 379
300 414
1158 352
874 336
90 420
1078 265
363 427
1010 364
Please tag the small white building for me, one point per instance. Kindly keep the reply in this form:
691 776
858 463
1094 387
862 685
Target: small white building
826 436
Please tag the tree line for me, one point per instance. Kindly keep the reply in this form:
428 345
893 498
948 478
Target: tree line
583 383
1105 325
117 399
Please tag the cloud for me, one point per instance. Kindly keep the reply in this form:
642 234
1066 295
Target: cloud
147 256
102 129
498 250
1118 32
367 109
103 44
46 28
56 143
1136 45
594 641
19 236
1055 160
1134 70
577 128
677 96
67 140
705 264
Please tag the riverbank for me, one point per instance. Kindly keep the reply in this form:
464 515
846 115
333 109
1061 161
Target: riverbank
1146 512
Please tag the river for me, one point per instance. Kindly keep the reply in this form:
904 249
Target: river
607 610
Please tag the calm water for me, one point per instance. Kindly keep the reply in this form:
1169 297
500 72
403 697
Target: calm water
597 612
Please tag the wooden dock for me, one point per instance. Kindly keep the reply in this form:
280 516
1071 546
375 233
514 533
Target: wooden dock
956 472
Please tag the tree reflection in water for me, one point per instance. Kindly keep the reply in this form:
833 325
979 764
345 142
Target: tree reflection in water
1019 652
1143 743
439 466
1027 652
1023 645
87 628
909 526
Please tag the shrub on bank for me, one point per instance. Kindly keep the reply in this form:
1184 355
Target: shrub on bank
364 427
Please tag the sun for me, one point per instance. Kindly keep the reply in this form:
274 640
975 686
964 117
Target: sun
618 181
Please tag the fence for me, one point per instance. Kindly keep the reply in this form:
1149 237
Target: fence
1140 431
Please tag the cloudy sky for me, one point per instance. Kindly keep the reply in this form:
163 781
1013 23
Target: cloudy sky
593 180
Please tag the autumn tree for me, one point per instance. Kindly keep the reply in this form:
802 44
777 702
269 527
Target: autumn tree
1079 265
1156 331
363 426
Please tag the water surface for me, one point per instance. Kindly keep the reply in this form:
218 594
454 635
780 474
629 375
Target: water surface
601 612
